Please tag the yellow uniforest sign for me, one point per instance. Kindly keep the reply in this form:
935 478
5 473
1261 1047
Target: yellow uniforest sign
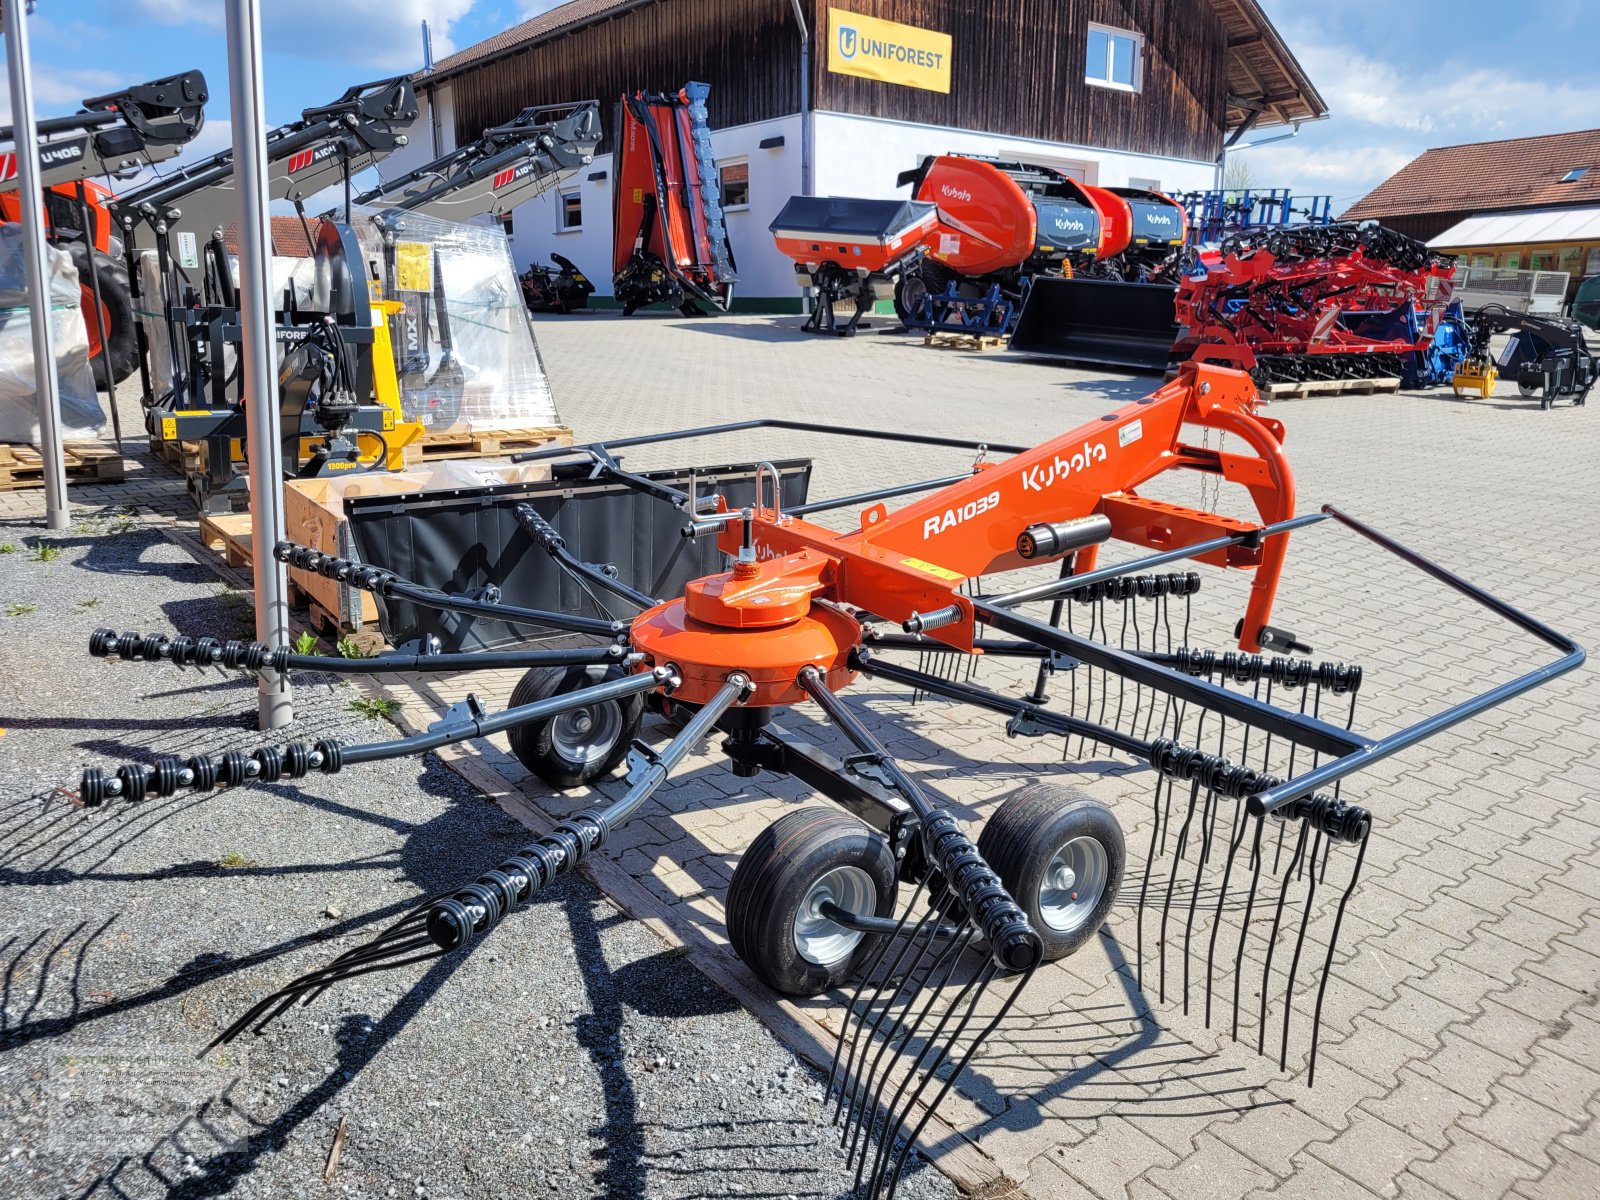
888 51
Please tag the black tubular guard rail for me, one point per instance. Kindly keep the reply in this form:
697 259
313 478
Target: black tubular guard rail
268 764
390 586
257 656
1350 752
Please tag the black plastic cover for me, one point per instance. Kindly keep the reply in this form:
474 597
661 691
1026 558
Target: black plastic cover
469 538
833 215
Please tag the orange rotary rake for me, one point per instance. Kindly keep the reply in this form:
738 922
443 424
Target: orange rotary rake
1252 856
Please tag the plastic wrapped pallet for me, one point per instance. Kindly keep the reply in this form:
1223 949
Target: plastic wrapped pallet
485 332
81 414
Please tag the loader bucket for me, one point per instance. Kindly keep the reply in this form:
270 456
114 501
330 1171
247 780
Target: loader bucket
1099 321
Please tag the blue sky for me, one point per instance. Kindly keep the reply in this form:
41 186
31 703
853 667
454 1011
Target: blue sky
1398 77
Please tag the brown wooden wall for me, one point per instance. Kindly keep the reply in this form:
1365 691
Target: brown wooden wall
747 50
1017 67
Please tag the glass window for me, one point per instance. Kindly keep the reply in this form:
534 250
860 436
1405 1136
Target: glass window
1113 58
1511 260
735 179
1149 185
1542 260
1482 260
571 211
1570 260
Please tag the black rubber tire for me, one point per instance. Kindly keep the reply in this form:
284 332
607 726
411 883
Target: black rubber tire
909 290
122 339
1526 390
1032 825
774 876
534 744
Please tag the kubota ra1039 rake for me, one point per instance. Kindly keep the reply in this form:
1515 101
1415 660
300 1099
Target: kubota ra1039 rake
1253 853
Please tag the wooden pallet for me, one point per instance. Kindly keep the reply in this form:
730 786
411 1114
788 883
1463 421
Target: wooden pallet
229 534
951 340
182 456
1330 387
485 443
23 466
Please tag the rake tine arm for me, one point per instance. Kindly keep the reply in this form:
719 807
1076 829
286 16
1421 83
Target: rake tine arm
450 922
389 585
552 543
268 764
257 656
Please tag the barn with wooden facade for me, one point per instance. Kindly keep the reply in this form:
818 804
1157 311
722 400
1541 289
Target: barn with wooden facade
837 97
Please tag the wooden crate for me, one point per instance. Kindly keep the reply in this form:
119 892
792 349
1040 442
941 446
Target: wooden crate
484 443
1330 387
184 457
87 462
953 340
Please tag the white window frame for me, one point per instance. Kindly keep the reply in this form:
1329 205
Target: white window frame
1145 184
1112 32
739 160
561 210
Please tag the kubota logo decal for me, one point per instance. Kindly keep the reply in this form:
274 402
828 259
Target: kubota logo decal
951 517
1158 218
1072 223
955 193
1042 475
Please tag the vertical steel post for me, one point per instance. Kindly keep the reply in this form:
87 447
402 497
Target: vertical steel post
258 392
19 66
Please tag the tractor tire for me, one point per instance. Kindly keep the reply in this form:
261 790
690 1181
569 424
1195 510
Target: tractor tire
577 747
802 858
1061 856
116 305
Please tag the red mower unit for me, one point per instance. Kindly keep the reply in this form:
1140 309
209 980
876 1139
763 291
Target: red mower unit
671 245
1310 302
745 607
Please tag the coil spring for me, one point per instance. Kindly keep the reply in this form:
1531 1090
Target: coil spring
1012 940
367 578
187 651
1238 667
1142 587
475 909
170 774
1333 817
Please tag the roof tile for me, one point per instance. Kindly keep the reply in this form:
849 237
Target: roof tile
1479 176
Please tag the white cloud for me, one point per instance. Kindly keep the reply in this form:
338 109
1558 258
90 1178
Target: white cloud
371 36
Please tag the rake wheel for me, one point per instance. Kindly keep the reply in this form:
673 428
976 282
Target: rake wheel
577 747
801 860
1060 855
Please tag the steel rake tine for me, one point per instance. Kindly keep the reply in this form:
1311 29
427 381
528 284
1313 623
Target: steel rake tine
1327 962
948 961
1172 878
1294 961
903 998
1235 840
866 977
308 987
1244 929
884 976
1163 782
1272 940
1208 821
972 1049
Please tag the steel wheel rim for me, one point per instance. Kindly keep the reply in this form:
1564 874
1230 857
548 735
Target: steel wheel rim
586 735
1073 885
821 941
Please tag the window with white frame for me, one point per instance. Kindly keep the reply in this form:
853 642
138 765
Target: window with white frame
569 212
1115 58
734 177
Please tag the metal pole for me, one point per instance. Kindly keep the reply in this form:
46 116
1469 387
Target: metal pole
805 99
258 393
19 67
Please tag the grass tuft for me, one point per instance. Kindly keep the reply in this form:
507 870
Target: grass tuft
19 609
375 707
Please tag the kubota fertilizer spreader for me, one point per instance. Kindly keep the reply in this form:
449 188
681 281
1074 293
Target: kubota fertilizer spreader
1313 302
747 607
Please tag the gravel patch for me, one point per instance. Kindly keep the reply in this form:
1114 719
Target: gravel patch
570 1054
